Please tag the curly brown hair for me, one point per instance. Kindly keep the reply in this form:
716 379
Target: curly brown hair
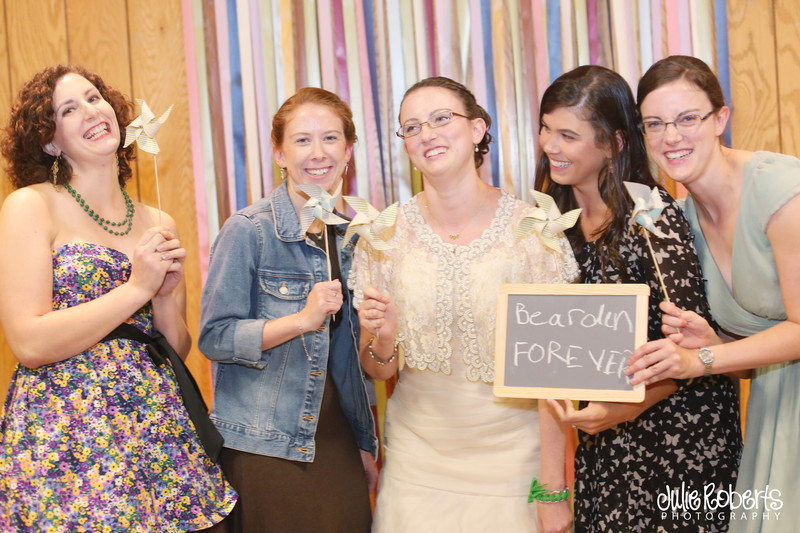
32 126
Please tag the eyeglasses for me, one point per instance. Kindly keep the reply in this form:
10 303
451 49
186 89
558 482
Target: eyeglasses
684 124
436 120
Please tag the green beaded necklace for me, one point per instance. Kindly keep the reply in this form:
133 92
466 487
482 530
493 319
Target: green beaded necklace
128 221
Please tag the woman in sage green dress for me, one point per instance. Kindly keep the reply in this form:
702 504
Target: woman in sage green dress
744 211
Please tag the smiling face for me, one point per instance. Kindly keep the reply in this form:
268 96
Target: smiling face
683 155
569 142
446 149
314 148
86 125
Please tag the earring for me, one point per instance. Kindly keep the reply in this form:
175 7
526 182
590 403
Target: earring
346 168
476 148
54 173
283 173
610 167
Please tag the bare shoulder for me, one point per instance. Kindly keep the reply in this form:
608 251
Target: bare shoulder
31 202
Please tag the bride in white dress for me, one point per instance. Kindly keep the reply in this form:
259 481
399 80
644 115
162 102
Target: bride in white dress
457 457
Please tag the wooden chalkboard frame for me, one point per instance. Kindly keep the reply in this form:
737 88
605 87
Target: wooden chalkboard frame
641 292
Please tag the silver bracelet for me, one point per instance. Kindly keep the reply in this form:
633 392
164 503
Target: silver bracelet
302 337
378 359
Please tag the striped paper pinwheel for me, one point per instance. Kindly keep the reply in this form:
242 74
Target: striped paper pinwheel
369 222
546 220
320 206
143 131
647 208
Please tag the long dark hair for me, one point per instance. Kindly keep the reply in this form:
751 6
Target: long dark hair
606 102
473 109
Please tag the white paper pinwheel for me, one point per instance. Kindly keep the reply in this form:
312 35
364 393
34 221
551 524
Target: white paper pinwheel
369 222
319 206
647 206
143 129
546 220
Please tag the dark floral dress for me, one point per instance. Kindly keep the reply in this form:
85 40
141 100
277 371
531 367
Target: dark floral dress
692 437
101 441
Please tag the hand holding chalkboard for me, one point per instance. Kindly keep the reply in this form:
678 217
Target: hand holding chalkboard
569 341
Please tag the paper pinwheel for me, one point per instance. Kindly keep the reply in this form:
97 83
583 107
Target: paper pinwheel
546 220
319 206
369 222
647 208
143 130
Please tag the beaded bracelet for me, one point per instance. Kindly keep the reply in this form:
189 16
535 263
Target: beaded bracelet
540 494
378 359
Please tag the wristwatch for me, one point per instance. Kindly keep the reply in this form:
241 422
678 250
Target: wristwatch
707 357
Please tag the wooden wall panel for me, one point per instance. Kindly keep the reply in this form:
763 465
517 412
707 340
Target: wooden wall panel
104 52
136 46
36 36
158 74
7 361
787 39
754 89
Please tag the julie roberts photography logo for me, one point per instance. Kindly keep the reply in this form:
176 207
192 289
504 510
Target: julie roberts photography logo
712 501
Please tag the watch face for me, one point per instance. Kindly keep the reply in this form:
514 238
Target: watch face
706 356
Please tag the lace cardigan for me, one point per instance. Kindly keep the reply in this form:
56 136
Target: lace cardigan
446 294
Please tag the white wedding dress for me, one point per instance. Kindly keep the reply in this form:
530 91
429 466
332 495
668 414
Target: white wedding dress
457 457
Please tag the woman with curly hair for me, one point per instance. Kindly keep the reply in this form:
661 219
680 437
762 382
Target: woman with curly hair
93 434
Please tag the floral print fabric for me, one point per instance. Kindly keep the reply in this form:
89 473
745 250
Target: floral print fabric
101 441
691 438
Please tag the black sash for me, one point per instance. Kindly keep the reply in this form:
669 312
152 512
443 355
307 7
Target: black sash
160 352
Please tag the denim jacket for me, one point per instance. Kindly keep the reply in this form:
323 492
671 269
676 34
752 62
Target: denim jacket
267 402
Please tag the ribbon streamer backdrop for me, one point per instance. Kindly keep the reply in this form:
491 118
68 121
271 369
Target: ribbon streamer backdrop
248 56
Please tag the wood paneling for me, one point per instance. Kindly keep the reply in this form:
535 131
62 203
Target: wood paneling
100 51
158 73
137 47
7 361
787 43
35 35
754 82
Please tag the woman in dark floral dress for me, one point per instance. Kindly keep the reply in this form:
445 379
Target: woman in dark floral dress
685 433
94 435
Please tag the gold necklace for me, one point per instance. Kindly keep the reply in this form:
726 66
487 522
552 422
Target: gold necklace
455 236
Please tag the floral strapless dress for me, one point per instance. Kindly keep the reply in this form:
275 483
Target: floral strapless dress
101 442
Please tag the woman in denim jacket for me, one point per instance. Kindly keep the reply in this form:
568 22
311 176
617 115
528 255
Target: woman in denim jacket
289 395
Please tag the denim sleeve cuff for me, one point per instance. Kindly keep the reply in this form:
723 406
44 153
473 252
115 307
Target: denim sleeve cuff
247 340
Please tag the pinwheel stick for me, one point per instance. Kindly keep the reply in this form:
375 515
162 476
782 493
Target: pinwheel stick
328 253
158 189
655 262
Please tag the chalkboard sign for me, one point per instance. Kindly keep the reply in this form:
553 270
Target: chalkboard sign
569 341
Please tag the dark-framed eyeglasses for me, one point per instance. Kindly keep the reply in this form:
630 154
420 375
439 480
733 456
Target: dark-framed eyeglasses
684 124
436 120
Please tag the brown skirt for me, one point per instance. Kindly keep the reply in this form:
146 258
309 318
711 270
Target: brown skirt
327 495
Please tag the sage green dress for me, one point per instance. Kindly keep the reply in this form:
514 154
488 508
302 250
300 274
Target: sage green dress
771 457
